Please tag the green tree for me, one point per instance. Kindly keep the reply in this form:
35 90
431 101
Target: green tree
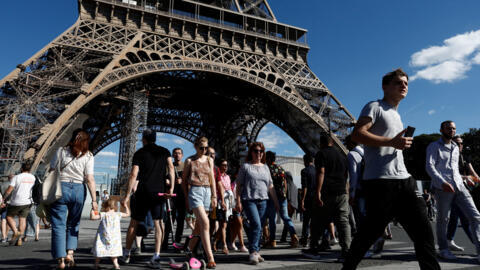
471 147
415 156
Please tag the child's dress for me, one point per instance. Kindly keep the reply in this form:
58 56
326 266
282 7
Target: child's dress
108 242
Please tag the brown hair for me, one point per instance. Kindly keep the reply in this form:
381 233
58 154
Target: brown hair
249 157
109 204
200 140
387 78
79 142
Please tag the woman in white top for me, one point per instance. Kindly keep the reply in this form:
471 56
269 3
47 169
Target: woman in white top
75 162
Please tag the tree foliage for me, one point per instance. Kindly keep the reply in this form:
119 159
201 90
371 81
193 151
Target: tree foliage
415 156
471 147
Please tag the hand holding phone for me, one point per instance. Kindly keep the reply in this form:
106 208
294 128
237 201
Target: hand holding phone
409 132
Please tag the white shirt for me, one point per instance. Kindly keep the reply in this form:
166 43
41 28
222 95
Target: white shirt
442 164
22 189
77 169
354 158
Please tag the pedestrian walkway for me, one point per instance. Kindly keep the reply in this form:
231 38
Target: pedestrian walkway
398 254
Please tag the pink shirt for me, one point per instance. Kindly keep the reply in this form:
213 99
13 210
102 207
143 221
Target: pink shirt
225 179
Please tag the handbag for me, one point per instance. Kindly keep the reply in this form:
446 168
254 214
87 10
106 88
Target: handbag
51 186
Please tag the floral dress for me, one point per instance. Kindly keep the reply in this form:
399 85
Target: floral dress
108 241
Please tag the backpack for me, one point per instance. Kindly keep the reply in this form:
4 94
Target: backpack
279 180
37 191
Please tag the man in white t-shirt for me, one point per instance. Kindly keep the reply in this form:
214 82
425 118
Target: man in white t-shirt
20 190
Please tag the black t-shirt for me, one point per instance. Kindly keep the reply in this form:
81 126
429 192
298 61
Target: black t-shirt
152 161
463 164
335 165
309 181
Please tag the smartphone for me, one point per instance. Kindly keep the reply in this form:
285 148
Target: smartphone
409 132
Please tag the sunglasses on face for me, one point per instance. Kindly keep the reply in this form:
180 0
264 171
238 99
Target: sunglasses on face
204 148
258 151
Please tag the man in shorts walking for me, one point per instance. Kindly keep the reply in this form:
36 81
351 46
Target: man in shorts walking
151 165
20 202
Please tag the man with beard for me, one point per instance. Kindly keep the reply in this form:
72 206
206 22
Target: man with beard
448 188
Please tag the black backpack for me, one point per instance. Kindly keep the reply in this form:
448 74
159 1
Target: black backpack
37 191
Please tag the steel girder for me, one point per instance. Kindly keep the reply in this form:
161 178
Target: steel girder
106 54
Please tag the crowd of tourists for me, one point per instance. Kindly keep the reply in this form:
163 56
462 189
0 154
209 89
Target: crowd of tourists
349 200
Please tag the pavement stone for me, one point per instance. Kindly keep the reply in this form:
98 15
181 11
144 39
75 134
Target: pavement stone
398 254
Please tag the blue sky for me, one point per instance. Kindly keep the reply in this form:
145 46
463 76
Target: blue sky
353 43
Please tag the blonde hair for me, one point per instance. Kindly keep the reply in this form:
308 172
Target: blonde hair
109 204
200 140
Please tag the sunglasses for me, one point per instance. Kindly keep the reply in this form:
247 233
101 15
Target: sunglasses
257 151
204 148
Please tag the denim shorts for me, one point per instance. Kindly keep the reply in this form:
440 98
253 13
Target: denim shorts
3 213
199 196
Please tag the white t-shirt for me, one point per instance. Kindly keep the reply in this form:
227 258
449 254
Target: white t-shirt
22 189
77 169
383 162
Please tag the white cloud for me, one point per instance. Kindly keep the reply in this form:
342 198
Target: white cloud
448 71
431 112
271 139
179 141
448 62
107 154
476 59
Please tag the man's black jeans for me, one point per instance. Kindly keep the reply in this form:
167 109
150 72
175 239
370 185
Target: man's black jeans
393 198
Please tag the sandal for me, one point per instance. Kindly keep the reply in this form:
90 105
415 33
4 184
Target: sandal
70 261
61 264
211 265
225 250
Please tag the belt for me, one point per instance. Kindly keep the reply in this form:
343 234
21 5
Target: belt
72 181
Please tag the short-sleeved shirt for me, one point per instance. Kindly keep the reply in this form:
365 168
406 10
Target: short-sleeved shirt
22 189
383 162
308 179
152 162
336 166
255 181
72 168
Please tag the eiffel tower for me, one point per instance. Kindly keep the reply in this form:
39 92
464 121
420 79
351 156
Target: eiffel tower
217 68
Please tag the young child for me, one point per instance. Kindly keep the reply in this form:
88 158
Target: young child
108 241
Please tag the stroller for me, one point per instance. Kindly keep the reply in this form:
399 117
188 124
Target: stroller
192 255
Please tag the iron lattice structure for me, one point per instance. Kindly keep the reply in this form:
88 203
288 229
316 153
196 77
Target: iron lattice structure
218 68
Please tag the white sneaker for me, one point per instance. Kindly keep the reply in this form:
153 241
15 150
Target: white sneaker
155 260
453 247
126 256
446 255
253 258
260 258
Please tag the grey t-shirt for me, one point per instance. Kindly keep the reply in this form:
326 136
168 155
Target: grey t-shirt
383 162
255 181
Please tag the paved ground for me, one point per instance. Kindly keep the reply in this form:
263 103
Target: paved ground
398 254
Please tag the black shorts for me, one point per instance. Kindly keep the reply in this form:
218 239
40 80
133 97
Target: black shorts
221 215
142 202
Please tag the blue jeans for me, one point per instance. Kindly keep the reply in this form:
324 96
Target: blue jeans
455 215
255 211
32 221
462 198
65 214
272 215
